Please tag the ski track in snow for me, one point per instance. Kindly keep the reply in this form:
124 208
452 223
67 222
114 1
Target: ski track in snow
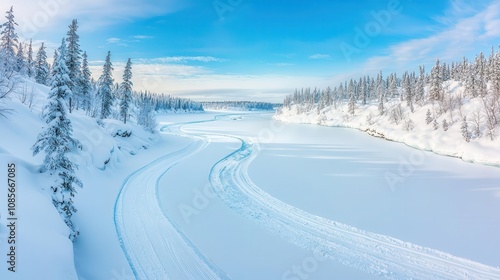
154 246
370 252
157 249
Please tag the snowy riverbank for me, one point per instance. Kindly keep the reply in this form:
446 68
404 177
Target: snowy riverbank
411 130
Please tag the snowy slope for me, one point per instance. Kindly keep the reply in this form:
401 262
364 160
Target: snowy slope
421 135
44 249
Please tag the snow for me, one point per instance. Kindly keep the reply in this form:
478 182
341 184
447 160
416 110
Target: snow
44 249
451 143
424 207
242 196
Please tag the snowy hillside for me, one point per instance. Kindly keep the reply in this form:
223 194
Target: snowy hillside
413 130
44 236
452 111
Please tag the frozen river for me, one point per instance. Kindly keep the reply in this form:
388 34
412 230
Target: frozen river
311 202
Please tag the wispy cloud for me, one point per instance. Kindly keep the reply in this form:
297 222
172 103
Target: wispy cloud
35 16
142 37
113 40
320 56
182 59
281 64
125 42
203 83
463 37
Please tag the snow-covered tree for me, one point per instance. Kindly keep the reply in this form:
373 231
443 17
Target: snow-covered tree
352 104
21 65
465 130
9 40
146 117
42 73
105 87
85 84
73 61
481 75
393 86
408 90
436 90
495 74
428 118
126 91
56 141
445 125
420 91
30 63
380 93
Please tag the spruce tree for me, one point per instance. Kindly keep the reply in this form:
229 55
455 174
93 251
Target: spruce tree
146 117
85 83
30 64
465 130
126 90
428 118
436 90
445 125
56 141
42 73
21 66
73 61
105 88
9 41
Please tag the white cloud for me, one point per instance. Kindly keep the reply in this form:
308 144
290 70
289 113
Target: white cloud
462 38
142 37
182 59
320 56
281 64
113 40
202 83
36 16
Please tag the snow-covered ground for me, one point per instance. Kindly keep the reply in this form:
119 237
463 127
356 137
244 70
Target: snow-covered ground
349 177
412 128
241 196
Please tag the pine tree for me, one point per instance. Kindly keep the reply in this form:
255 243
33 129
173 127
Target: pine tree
56 141
380 93
42 73
85 83
105 87
21 66
381 109
73 58
445 125
481 75
435 124
436 91
9 41
465 130
428 118
495 74
393 86
420 94
352 104
126 90
146 117
30 64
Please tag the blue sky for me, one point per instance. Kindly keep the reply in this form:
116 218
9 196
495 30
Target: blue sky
262 50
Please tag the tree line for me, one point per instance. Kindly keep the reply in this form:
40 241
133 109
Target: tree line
480 79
